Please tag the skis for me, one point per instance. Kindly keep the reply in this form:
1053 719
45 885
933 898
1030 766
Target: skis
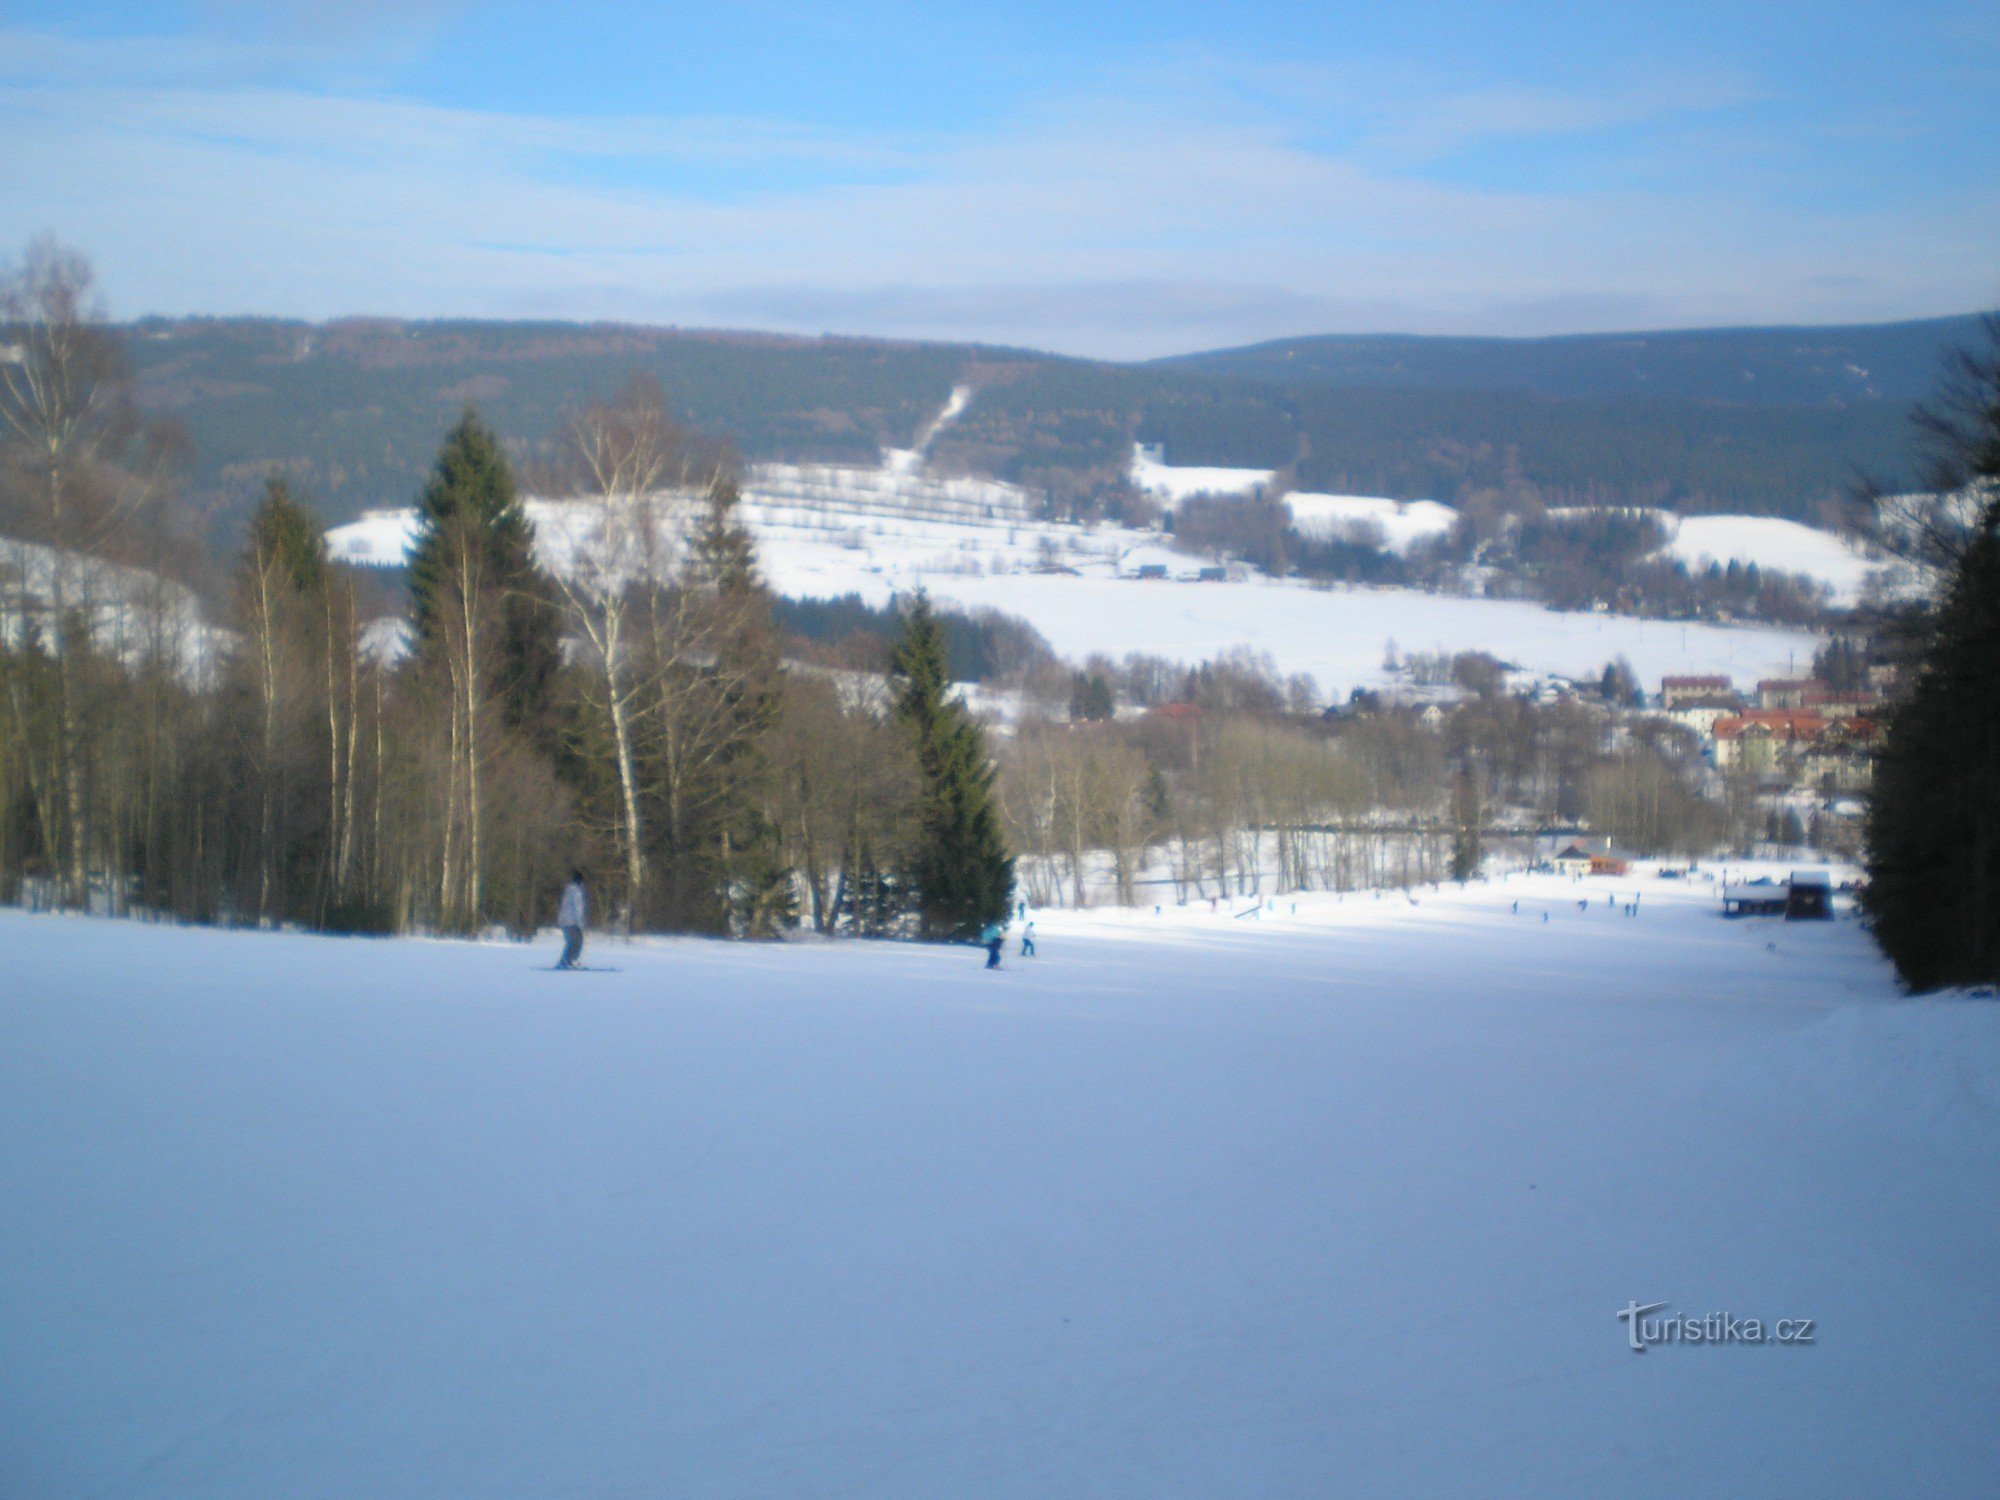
581 969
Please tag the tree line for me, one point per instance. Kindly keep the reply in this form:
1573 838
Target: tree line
629 712
1934 823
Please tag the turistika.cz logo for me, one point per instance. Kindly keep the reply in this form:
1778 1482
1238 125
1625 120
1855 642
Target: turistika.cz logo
1643 1332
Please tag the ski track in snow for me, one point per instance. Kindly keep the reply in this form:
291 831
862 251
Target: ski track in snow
1335 1202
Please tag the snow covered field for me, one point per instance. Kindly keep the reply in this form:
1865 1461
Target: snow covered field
1174 483
827 531
1337 1202
1402 523
1338 634
1773 544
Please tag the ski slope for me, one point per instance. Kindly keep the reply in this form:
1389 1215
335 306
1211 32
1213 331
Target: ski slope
1336 1202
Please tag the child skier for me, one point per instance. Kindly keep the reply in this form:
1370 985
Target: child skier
993 935
571 913
1028 941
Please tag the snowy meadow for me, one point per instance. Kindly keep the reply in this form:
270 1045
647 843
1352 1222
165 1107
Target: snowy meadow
1344 1197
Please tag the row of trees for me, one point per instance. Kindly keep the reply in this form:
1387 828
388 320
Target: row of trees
1571 560
1934 824
443 768
1230 790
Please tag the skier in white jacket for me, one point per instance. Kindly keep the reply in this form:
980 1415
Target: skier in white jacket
571 914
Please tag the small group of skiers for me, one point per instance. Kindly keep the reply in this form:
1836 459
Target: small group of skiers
993 937
573 915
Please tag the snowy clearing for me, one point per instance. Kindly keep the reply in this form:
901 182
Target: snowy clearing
1338 634
827 531
133 615
1403 523
1773 544
1337 1202
1174 483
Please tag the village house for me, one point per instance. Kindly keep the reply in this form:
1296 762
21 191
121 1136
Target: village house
1801 746
1842 757
1784 692
1702 714
1833 705
1676 691
1592 856
1765 741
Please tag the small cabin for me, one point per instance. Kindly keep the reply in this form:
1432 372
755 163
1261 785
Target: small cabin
1755 898
1575 860
1152 570
1809 897
1212 575
1579 859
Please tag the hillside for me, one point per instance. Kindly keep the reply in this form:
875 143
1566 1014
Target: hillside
1895 362
353 410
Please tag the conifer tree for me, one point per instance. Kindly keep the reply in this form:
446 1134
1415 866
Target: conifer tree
285 532
472 486
486 666
1934 826
958 867
1466 851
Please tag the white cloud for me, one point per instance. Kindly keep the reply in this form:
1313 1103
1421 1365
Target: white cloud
1171 208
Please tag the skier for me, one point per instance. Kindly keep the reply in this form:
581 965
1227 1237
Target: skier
1028 941
993 934
571 913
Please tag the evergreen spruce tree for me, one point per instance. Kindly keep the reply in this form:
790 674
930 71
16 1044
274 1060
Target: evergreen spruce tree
286 533
754 882
473 484
1466 850
1934 825
958 867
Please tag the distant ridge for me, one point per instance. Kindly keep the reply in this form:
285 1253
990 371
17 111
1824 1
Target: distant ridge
1777 366
1771 421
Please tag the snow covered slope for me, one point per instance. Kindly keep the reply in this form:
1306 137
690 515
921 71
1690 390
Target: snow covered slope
134 615
1343 1202
1174 483
1401 522
1338 635
825 531
1771 543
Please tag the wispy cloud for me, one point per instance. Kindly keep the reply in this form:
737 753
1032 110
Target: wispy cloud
1181 200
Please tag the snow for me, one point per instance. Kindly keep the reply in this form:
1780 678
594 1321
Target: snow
134 614
824 531
380 539
1771 543
1174 483
1401 522
910 460
1338 635
1340 1202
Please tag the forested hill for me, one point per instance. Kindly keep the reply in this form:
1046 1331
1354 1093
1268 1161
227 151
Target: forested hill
354 410
1833 366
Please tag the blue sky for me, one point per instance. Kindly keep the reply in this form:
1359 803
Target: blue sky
1111 179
